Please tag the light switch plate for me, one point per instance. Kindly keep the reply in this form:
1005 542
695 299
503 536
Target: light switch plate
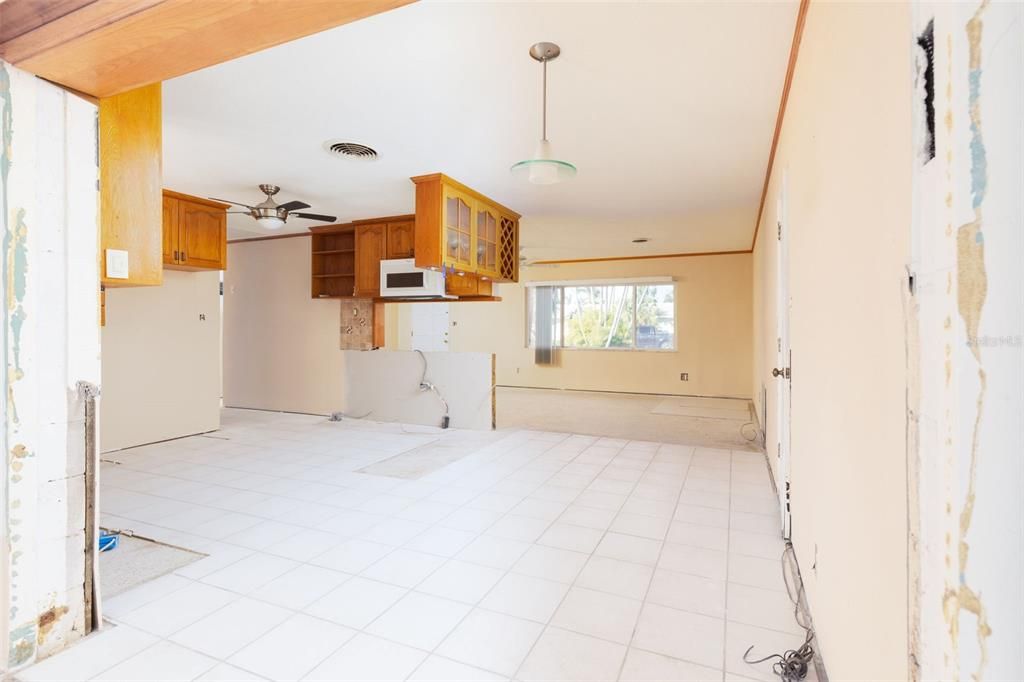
117 264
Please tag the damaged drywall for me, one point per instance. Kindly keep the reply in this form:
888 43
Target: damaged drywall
50 340
968 229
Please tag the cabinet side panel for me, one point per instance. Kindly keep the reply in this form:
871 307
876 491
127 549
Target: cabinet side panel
131 208
428 224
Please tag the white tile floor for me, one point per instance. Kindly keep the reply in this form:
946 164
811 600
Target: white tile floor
538 556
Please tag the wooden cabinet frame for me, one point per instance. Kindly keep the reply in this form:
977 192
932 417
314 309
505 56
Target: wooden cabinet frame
346 257
433 208
195 232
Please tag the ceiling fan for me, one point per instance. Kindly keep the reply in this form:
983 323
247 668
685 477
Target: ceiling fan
273 216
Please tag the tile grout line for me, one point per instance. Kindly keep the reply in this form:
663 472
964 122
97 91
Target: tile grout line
239 596
728 559
294 612
643 602
604 533
476 605
506 475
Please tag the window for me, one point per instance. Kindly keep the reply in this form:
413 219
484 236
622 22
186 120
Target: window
602 315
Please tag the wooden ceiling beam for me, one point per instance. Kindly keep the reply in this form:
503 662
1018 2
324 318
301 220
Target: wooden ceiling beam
105 47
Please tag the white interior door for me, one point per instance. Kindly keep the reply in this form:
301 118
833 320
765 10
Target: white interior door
782 372
429 326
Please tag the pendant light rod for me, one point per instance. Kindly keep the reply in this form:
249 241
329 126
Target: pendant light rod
543 53
544 106
543 168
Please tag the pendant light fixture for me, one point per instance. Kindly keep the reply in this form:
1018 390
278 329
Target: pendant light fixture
542 169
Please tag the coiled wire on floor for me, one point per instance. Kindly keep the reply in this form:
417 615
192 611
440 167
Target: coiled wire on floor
793 664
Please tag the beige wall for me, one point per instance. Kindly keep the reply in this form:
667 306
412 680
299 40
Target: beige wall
385 386
161 363
281 347
846 150
713 303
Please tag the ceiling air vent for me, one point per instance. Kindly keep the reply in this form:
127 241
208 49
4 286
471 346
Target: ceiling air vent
351 150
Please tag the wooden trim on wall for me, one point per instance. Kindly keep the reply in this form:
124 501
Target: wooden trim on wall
269 237
794 50
646 257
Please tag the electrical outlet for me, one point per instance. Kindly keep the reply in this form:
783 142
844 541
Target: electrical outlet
684 376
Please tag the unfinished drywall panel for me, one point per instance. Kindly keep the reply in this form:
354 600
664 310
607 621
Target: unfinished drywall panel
161 360
281 347
969 239
50 342
713 331
845 150
413 388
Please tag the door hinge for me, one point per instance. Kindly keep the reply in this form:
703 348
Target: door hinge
779 344
779 225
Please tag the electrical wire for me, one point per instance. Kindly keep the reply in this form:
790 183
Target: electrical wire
429 386
757 432
792 664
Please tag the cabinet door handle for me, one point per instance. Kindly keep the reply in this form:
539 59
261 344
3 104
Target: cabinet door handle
182 256
175 256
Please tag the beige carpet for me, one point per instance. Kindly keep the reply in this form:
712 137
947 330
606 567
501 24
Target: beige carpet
624 415
711 408
136 561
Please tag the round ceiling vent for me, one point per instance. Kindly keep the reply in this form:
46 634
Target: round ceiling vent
351 150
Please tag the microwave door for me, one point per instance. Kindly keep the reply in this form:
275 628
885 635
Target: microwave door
400 282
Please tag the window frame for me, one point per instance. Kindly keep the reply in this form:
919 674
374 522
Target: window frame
561 286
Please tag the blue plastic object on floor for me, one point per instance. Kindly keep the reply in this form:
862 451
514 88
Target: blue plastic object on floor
108 541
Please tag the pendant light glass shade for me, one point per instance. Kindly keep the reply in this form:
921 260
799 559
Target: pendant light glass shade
543 169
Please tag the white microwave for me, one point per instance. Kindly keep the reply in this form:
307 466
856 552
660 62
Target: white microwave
400 278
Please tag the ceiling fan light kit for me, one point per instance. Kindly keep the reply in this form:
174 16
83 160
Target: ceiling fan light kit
273 216
543 168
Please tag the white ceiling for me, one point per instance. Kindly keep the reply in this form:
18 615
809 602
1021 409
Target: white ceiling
666 108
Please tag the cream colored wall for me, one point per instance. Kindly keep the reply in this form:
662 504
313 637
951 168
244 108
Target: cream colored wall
846 151
281 347
385 386
161 363
713 303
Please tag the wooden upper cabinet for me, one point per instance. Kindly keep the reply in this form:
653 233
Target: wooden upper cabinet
333 268
401 239
195 233
170 228
467 285
203 235
458 229
457 209
371 248
487 241
130 147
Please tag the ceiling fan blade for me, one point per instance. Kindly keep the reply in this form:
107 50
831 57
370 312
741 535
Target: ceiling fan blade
228 201
293 205
314 216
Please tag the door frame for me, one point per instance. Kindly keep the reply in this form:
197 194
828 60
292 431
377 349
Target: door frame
783 361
